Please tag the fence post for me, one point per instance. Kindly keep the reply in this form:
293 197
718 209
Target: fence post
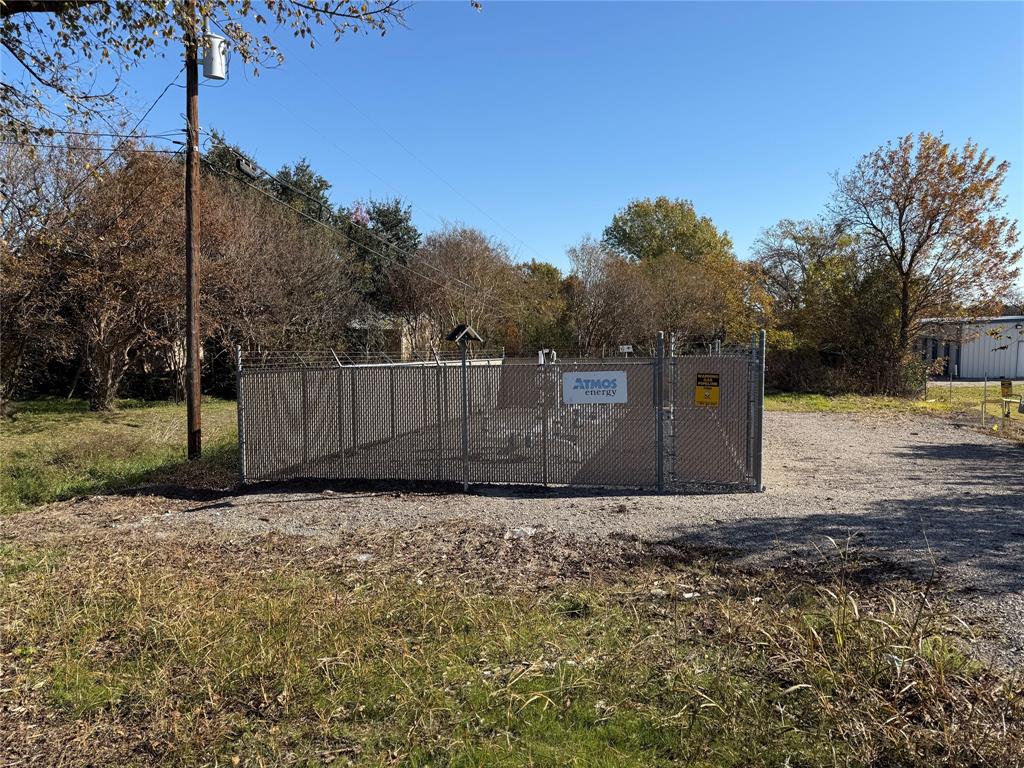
759 446
341 419
391 391
544 418
752 365
669 404
422 427
440 423
659 411
239 405
352 406
465 418
305 425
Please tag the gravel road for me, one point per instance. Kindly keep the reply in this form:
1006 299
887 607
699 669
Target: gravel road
919 492
914 489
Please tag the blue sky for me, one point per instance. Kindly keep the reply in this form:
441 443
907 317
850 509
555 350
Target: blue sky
537 121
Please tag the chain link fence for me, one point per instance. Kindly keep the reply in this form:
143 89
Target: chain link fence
682 423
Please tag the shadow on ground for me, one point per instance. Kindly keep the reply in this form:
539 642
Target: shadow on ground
952 505
977 524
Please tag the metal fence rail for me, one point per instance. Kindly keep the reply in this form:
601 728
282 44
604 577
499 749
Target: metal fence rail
321 416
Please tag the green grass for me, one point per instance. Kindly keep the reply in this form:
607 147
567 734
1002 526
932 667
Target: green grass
178 658
940 399
54 449
801 402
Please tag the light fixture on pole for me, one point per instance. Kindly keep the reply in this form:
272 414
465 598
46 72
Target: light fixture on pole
462 335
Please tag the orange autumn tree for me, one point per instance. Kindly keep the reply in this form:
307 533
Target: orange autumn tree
120 269
932 214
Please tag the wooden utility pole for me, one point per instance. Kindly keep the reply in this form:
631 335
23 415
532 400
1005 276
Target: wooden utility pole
192 345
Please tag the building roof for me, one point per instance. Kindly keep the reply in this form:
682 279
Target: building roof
380 321
463 331
1002 319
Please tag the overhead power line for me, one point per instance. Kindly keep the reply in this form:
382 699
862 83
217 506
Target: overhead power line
84 148
111 220
383 129
476 289
134 128
70 214
276 180
341 233
355 159
164 136
337 231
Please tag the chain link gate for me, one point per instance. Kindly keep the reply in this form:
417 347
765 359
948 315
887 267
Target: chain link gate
313 415
714 434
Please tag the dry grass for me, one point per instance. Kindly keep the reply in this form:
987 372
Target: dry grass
123 649
289 656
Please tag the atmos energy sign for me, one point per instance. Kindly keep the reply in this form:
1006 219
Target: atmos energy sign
707 391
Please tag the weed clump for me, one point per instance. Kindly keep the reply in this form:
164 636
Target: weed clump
186 657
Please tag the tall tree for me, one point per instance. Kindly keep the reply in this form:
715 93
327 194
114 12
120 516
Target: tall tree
461 276
305 190
587 299
41 187
648 229
790 251
542 321
275 280
834 315
608 299
122 274
384 239
687 277
934 214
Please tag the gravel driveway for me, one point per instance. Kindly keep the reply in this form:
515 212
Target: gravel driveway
917 491
900 485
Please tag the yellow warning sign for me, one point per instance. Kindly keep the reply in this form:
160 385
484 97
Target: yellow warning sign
707 391
1005 388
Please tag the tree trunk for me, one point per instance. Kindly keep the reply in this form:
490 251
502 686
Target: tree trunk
78 377
904 337
896 375
103 395
10 370
106 371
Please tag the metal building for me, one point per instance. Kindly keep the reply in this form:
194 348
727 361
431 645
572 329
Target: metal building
975 348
